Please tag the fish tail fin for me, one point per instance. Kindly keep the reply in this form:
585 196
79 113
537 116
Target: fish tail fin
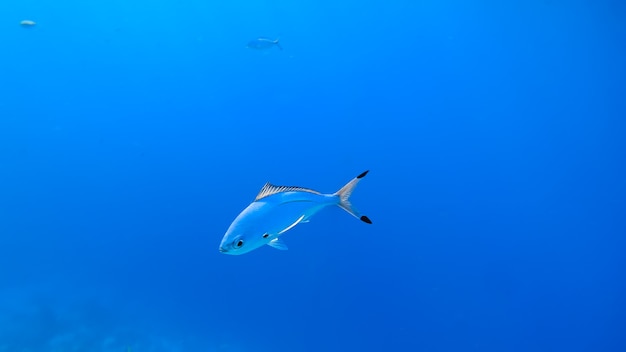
277 44
344 198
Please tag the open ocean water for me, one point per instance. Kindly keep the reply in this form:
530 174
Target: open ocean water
133 132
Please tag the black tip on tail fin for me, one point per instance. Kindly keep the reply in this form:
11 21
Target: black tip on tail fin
344 198
366 219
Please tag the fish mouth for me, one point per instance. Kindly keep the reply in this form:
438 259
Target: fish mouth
223 250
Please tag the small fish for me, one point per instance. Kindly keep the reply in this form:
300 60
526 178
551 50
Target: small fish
27 23
262 43
277 209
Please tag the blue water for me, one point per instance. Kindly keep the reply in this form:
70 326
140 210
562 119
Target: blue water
133 132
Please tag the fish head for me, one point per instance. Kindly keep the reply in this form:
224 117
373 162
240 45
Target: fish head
237 243
243 235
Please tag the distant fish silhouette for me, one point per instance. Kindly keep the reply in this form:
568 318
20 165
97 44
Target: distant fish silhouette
27 23
263 43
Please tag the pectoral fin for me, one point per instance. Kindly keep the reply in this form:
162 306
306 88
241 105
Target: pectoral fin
278 244
292 225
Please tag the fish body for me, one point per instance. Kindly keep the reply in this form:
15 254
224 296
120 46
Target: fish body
27 23
263 43
276 210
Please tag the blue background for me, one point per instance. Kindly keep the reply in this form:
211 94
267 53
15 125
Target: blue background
133 132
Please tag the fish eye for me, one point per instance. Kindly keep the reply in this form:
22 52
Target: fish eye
239 244
266 235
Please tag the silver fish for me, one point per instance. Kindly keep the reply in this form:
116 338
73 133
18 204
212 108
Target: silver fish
276 210
263 43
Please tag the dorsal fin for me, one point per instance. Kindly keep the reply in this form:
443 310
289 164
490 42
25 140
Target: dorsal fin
270 189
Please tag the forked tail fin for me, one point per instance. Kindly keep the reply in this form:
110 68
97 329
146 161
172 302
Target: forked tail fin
344 198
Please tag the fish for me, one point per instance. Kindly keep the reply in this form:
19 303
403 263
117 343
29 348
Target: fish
278 209
27 23
263 43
